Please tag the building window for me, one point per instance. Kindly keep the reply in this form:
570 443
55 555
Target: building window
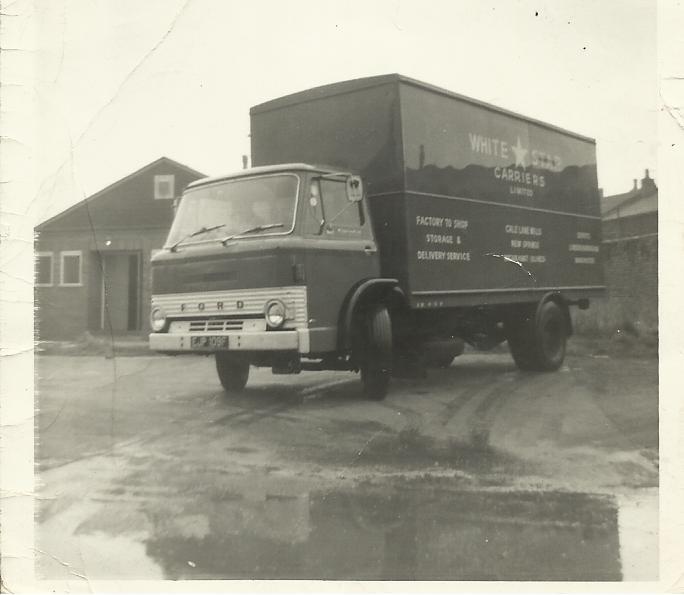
43 269
71 268
164 187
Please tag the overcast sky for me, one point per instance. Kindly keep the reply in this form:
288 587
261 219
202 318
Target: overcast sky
123 82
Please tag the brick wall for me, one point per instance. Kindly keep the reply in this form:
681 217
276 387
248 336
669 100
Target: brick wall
635 225
67 312
60 309
631 273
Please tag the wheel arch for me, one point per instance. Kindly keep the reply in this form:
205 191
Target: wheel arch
368 291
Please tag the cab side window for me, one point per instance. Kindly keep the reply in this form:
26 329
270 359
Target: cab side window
313 214
329 212
338 210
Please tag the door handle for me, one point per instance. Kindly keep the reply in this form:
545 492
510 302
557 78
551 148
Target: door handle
369 250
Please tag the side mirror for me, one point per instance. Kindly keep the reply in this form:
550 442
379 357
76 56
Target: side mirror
354 189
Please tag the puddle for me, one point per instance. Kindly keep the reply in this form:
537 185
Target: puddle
409 449
272 526
405 531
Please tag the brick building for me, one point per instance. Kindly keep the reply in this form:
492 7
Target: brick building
630 256
93 260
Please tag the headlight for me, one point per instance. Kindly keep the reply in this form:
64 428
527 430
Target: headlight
275 313
157 319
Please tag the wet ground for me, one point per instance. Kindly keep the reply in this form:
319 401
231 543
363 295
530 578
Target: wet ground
479 472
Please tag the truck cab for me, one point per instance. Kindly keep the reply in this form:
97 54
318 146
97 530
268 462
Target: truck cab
261 267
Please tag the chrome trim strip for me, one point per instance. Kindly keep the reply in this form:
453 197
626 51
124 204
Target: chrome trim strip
507 290
485 202
239 302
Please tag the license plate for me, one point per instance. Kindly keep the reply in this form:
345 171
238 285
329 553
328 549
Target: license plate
209 342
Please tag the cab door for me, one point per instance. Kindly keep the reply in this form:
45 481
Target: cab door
341 253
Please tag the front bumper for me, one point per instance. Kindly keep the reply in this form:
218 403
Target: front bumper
291 340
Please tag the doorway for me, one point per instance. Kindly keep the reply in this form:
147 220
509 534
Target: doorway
120 296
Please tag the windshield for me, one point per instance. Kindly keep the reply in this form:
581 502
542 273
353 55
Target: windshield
228 208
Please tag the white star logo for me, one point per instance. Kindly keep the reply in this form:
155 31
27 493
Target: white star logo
520 154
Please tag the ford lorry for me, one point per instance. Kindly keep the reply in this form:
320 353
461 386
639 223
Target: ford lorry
384 224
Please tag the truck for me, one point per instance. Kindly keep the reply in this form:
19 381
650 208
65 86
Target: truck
385 223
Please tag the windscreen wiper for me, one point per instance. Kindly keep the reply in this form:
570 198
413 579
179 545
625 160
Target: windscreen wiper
325 221
199 232
254 229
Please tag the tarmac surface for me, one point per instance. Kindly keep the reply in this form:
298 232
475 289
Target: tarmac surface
145 470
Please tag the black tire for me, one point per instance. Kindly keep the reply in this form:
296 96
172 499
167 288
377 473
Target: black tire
551 335
520 336
233 372
537 342
376 367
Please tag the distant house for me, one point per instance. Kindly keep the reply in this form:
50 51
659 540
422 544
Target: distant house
630 258
93 260
633 213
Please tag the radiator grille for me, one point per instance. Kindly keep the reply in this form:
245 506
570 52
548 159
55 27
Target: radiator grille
234 303
215 326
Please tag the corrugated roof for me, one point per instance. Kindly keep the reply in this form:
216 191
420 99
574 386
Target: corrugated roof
608 203
611 205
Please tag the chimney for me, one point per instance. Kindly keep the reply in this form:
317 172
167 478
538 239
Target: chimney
647 183
244 161
635 188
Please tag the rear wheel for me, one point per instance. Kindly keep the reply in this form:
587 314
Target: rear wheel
551 337
376 367
537 341
520 336
233 372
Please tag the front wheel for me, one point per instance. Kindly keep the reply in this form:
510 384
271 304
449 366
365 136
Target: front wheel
233 372
376 367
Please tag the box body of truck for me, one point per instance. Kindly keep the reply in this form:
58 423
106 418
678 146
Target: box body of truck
471 204
384 224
